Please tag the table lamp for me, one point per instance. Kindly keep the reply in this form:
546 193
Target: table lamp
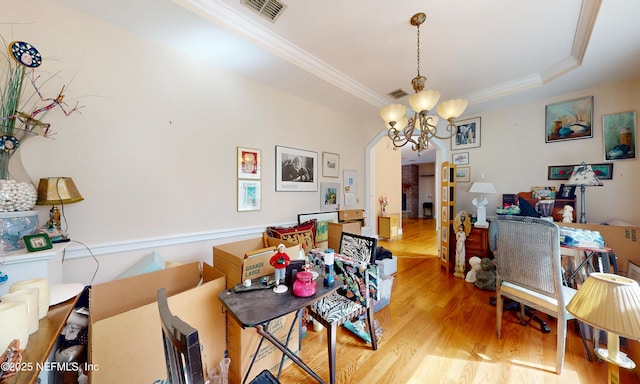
53 191
611 303
481 205
583 176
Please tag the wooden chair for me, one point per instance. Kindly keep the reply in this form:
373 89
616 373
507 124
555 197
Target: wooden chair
181 346
353 300
529 272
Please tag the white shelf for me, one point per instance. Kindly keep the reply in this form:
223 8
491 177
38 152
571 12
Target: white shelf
23 265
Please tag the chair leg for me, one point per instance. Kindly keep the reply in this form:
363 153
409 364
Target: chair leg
499 304
331 342
562 338
372 327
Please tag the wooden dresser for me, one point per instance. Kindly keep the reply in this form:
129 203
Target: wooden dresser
476 244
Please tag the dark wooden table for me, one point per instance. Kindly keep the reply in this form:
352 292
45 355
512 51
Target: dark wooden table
257 308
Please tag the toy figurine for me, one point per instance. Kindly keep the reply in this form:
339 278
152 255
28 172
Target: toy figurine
279 261
475 267
567 214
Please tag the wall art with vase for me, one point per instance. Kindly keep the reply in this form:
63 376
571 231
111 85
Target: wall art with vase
569 120
23 106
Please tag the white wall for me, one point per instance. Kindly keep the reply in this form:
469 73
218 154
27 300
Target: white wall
515 157
154 150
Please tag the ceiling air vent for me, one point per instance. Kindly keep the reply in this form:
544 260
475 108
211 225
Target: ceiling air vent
398 94
270 9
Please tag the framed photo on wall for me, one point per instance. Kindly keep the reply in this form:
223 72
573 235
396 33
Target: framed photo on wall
249 195
460 158
329 196
463 174
619 135
296 170
330 164
350 181
249 163
569 120
467 134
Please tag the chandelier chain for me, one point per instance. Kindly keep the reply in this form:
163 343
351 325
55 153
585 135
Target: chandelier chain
418 50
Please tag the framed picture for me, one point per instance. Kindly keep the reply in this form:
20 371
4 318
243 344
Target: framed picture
37 242
633 272
249 195
467 134
350 181
619 135
330 196
604 171
296 170
543 193
330 164
322 224
566 192
569 120
463 174
559 172
460 158
249 163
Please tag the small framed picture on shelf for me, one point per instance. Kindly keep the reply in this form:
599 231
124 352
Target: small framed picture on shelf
566 192
37 242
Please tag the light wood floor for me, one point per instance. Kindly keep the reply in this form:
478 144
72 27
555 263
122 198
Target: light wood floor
440 329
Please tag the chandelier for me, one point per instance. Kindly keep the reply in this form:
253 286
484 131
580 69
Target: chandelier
403 130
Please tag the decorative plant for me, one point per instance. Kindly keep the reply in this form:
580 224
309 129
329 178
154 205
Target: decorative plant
384 201
20 116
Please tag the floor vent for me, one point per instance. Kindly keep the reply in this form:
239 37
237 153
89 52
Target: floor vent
270 9
398 94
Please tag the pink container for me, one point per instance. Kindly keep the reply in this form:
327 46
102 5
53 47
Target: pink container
304 286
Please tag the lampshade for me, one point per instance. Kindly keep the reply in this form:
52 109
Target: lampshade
583 175
609 302
482 187
453 108
424 100
57 190
392 112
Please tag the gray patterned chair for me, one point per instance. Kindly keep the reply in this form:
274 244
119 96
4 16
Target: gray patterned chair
529 272
359 273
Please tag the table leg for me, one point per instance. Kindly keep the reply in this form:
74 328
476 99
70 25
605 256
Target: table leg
265 334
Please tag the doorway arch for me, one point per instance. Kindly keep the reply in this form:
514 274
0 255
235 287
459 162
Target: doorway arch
442 153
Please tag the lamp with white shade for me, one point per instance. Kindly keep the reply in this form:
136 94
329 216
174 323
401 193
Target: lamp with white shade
482 188
583 176
611 303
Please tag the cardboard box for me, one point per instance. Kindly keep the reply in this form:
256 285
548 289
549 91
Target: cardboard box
231 260
125 335
335 233
623 241
242 343
351 214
